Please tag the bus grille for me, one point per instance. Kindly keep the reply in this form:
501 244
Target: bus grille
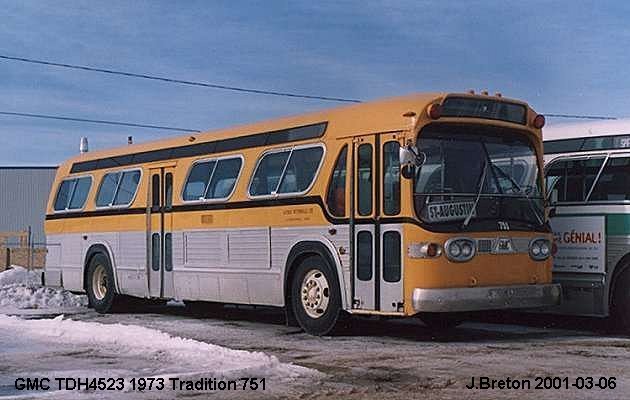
484 245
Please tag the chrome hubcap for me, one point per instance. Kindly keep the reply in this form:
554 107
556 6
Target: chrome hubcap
315 293
99 282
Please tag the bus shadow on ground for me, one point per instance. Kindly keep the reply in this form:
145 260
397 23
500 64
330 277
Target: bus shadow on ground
478 327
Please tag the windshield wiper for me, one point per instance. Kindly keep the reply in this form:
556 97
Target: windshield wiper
530 202
474 207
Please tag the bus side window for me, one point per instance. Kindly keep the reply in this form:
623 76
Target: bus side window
118 188
365 179
127 188
364 255
268 173
168 251
155 190
224 178
80 194
391 256
107 190
197 180
571 180
168 189
155 252
614 182
63 194
391 178
336 196
286 171
300 170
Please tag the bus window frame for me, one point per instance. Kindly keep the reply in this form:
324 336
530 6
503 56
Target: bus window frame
133 198
215 159
345 147
399 204
69 178
621 154
291 149
604 156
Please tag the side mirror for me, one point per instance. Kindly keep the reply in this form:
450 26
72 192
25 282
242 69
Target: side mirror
406 155
407 171
410 159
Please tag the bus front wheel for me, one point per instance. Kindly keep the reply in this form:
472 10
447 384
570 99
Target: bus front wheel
315 296
621 301
100 284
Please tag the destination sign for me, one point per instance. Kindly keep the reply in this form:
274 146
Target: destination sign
452 211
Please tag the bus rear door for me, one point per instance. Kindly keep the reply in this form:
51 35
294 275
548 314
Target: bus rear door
159 232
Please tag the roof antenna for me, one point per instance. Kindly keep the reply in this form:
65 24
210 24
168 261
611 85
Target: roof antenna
83 146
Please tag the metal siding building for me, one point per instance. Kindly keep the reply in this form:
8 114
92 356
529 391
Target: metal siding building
24 193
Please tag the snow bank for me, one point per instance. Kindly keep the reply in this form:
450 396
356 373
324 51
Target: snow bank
24 296
21 288
17 274
179 354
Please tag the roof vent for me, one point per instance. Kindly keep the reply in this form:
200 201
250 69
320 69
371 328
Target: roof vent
83 146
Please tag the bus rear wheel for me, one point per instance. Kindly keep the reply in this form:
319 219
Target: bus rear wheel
621 302
315 296
100 284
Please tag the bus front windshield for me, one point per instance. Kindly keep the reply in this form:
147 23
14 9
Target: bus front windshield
477 178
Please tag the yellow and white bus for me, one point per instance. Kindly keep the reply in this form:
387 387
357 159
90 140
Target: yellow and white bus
430 204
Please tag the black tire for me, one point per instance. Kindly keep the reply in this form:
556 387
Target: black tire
103 297
441 321
320 318
621 302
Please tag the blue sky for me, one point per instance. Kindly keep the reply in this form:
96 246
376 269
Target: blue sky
562 57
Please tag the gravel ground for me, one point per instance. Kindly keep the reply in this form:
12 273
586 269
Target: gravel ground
376 359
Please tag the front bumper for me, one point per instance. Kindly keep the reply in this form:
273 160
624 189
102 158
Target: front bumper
485 298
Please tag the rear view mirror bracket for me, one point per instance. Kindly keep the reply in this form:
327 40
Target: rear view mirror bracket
410 159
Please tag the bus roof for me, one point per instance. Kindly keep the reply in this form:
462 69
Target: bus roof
587 129
384 115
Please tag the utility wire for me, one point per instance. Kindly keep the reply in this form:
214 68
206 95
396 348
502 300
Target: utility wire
578 116
97 121
222 87
233 88
171 128
178 81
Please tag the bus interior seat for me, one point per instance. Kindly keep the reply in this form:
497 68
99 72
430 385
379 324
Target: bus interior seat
223 188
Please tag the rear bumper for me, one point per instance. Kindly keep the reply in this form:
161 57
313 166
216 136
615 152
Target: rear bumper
485 298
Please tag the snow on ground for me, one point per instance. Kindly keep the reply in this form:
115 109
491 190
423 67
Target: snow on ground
65 348
23 296
21 289
186 356
39 345
16 274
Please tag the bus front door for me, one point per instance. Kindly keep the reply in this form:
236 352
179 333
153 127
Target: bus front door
159 232
377 269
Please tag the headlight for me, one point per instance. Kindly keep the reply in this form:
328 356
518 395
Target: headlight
467 250
544 249
539 249
459 249
454 250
